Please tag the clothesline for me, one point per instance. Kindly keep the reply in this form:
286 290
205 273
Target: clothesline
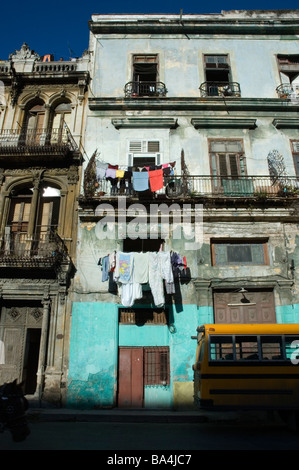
128 272
142 178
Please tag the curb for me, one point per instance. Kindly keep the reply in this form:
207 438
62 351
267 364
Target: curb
139 416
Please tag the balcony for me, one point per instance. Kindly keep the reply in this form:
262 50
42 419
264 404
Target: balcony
221 89
145 89
27 146
288 91
258 187
44 250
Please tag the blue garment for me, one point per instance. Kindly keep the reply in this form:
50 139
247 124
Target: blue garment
105 268
140 180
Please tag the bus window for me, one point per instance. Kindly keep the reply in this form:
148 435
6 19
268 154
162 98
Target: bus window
271 347
221 347
246 348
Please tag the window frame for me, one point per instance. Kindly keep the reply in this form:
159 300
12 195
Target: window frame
242 241
295 155
144 149
156 372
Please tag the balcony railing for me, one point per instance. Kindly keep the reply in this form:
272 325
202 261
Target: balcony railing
286 90
146 88
44 249
258 187
55 67
19 140
222 89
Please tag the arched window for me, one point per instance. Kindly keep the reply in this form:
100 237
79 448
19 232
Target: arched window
34 122
31 219
61 120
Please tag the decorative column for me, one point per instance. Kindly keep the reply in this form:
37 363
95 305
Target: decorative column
43 348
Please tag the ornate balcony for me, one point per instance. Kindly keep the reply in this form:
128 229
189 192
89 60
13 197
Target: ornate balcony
45 250
288 91
27 146
145 89
257 187
221 89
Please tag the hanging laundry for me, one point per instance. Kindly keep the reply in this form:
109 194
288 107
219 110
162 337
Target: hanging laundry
155 280
124 267
105 268
110 173
112 286
130 292
119 173
140 180
114 167
112 261
101 168
156 180
166 271
140 272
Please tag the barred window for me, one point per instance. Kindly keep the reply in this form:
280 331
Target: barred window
156 366
141 316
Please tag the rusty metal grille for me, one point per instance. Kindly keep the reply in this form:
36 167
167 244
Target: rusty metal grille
156 366
143 316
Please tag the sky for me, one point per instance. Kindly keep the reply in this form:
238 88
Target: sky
60 27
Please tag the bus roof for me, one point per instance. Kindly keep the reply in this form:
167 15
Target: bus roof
254 329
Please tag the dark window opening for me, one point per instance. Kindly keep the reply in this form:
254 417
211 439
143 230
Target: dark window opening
289 66
142 245
143 316
217 71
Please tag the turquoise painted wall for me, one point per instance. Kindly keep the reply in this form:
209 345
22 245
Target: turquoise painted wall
287 313
93 355
95 338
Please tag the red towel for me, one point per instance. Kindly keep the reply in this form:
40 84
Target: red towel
156 179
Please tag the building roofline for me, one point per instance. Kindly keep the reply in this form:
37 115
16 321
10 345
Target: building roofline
233 22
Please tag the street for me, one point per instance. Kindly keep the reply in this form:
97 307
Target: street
177 437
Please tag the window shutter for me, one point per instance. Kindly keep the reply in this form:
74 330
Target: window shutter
296 146
222 165
233 165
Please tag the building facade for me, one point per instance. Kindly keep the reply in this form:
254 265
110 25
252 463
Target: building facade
41 123
195 116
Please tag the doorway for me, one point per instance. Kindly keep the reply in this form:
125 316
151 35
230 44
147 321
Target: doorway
250 306
130 378
31 355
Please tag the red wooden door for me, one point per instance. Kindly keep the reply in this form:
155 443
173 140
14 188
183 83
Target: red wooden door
130 378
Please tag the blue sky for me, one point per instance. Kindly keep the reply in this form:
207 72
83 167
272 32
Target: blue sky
62 27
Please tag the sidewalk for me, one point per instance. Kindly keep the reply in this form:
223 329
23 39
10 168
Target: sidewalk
139 416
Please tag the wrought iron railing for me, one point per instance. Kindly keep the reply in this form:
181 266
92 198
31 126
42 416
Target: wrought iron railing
44 248
37 138
259 187
287 90
146 88
223 89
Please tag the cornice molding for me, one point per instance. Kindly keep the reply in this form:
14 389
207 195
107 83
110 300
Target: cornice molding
216 122
134 123
286 123
240 105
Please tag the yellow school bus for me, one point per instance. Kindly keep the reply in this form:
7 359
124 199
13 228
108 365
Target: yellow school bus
247 367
